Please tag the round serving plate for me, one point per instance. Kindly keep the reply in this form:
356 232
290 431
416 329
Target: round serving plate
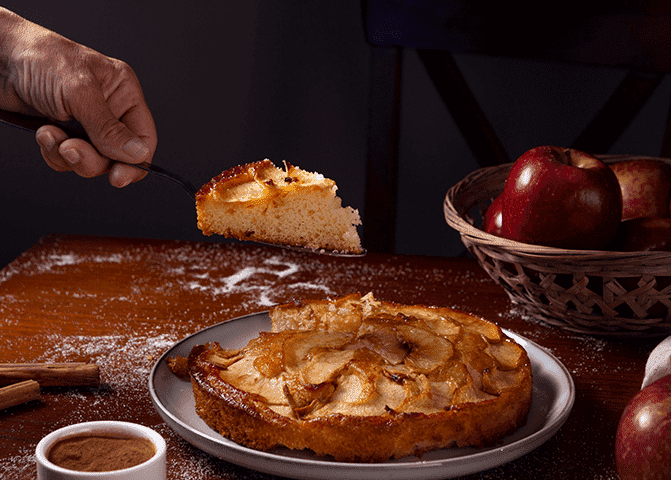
553 398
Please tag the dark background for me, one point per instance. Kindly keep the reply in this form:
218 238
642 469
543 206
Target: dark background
233 82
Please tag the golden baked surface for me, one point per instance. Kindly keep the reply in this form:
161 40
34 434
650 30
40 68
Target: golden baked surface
289 206
365 381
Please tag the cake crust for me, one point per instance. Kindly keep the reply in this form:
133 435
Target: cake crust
390 381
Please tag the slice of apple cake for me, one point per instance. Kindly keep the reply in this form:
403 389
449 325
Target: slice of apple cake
289 206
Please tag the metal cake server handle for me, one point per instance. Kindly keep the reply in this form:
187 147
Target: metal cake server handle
75 130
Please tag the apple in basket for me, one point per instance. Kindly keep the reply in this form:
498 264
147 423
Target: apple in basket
491 222
646 187
561 197
643 438
643 234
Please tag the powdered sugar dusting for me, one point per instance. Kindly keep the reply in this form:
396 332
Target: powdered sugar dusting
125 363
245 281
21 464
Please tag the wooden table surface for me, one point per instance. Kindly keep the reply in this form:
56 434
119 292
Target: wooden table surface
123 302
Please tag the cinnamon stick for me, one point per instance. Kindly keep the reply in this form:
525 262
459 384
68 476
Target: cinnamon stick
75 374
19 393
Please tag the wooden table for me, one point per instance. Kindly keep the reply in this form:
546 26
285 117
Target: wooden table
122 302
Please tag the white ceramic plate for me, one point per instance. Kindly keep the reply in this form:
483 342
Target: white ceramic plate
553 397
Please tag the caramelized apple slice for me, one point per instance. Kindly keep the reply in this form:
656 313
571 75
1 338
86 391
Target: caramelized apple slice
381 338
297 347
507 354
224 358
325 365
428 351
494 381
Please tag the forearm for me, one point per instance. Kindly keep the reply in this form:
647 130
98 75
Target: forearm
9 25
12 29
31 60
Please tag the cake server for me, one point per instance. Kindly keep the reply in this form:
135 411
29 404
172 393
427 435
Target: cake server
74 129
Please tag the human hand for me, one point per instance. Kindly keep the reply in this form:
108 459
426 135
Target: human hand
46 74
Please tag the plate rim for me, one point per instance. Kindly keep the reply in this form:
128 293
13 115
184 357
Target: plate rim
429 469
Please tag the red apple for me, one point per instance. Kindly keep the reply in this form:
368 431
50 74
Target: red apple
643 439
561 197
646 187
492 220
643 234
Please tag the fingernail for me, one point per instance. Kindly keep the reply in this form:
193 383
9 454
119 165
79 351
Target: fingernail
71 155
46 140
118 177
136 148
125 183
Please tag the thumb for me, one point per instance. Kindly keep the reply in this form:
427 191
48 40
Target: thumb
111 137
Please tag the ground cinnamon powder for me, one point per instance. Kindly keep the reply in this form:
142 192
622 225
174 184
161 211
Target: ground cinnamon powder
100 453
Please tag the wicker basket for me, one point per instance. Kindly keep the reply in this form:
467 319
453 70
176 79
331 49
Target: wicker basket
624 294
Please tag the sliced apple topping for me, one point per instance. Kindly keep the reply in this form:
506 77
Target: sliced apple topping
341 314
509 355
392 391
488 330
495 380
381 359
433 318
470 394
304 399
270 360
224 358
363 374
473 351
297 347
427 350
243 375
325 366
418 396
380 337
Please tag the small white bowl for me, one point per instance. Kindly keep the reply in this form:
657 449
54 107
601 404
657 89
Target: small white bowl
152 469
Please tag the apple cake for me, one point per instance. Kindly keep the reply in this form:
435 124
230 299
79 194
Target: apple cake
365 381
261 202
